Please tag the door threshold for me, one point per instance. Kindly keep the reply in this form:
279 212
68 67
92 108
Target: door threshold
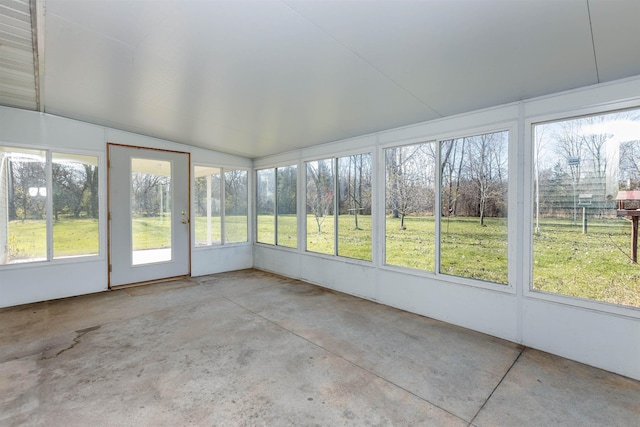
149 282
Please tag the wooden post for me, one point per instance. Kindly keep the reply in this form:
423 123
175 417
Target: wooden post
584 220
634 239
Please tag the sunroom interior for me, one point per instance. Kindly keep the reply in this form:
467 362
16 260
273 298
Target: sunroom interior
461 160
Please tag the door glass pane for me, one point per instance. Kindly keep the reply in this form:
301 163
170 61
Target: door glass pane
235 207
473 230
75 205
23 204
208 229
150 211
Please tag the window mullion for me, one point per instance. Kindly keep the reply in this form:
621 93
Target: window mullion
49 204
438 208
223 207
335 206
275 206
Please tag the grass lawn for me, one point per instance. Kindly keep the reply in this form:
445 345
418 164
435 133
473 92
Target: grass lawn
71 237
593 265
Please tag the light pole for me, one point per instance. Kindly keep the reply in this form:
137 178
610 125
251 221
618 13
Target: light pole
574 162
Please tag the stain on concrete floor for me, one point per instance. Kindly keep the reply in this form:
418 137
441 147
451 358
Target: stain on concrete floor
251 348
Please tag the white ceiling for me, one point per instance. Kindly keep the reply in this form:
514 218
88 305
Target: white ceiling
256 78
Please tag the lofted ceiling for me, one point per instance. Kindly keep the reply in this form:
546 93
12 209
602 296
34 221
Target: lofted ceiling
256 78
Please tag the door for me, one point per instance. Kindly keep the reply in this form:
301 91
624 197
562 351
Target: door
149 215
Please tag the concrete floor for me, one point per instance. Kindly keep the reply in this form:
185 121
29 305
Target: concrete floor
251 348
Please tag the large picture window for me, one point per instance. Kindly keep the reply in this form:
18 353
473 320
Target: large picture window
221 205
340 186
276 221
40 189
586 194
446 206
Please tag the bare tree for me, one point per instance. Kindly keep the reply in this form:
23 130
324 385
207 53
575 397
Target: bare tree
355 184
320 189
487 168
408 172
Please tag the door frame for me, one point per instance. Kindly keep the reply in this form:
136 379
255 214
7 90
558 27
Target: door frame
109 265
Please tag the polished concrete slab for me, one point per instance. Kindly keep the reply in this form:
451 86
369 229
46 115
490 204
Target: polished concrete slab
251 348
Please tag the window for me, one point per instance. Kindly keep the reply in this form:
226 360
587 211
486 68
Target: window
341 185
236 196
208 208
468 238
276 220
473 197
354 206
586 188
215 218
41 191
286 203
410 173
320 207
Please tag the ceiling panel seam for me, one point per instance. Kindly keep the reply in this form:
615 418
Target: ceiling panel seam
593 43
356 54
36 8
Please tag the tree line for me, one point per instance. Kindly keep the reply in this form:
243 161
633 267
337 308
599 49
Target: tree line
74 186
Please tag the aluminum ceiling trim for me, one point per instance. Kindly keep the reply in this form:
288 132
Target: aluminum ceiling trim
18 82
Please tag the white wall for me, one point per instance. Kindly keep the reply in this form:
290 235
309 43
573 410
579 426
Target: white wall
594 333
25 283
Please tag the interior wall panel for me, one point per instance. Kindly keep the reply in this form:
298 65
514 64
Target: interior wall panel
20 284
581 331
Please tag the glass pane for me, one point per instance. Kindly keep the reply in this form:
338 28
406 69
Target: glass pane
266 204
287 217
75 205
410 202
473 231
207 206
354 206
23 204
320 207
151 232
586 195
235 211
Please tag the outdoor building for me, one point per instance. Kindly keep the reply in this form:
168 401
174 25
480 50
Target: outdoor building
459 160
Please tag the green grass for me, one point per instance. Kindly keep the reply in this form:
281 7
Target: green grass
201 230
151 233
71 237
593 265
466 250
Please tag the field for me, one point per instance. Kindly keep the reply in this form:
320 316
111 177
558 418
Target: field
595 265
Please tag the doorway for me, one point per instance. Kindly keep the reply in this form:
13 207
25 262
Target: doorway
148 215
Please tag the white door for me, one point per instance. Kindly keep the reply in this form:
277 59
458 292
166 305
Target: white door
149 215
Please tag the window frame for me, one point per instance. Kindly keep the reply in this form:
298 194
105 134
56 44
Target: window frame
275 206
513 207
529 205
223 242
49 215
335 158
